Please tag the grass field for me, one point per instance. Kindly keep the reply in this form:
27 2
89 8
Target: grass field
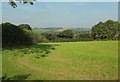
95 60
39 31
0 63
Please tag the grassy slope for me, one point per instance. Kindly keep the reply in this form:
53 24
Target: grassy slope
0 64
73 60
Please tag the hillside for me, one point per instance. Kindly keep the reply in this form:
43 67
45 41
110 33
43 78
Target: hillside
95 60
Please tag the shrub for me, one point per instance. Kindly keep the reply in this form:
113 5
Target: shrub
82 36
12 35
66 34
106 30
50 36
39 38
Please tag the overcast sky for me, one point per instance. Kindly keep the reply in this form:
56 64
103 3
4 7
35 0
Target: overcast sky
60 14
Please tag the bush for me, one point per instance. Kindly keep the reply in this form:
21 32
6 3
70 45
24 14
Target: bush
106 30
66 34
12 35
39 38
51 37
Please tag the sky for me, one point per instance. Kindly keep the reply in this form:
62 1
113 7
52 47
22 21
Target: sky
60 14
0 13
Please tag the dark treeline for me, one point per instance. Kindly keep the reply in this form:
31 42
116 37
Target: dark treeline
67 36
13 35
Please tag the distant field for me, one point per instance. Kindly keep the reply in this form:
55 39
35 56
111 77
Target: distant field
41 30
95 60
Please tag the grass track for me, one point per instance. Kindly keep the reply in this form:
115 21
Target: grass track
69 60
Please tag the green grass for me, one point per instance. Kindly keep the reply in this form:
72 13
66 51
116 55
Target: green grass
39 31
95 60
0 64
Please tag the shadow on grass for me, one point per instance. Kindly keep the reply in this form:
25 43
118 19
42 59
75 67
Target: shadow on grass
16 77
38 50
21 77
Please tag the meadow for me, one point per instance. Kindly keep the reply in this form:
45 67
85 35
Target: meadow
92 60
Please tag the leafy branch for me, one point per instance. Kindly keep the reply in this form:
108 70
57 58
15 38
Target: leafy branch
14 5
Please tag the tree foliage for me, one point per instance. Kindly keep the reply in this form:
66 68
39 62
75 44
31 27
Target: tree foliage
105 30
50 36
12 35
84 36
25 26
66 34
14 5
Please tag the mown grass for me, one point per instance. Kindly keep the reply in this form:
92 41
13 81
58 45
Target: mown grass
95 60
0 63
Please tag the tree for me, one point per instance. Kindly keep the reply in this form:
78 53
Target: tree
66 34
82 36
50 36
25 26
12 35
105 30
14 5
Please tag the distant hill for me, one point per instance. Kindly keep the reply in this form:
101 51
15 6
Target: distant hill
54 30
